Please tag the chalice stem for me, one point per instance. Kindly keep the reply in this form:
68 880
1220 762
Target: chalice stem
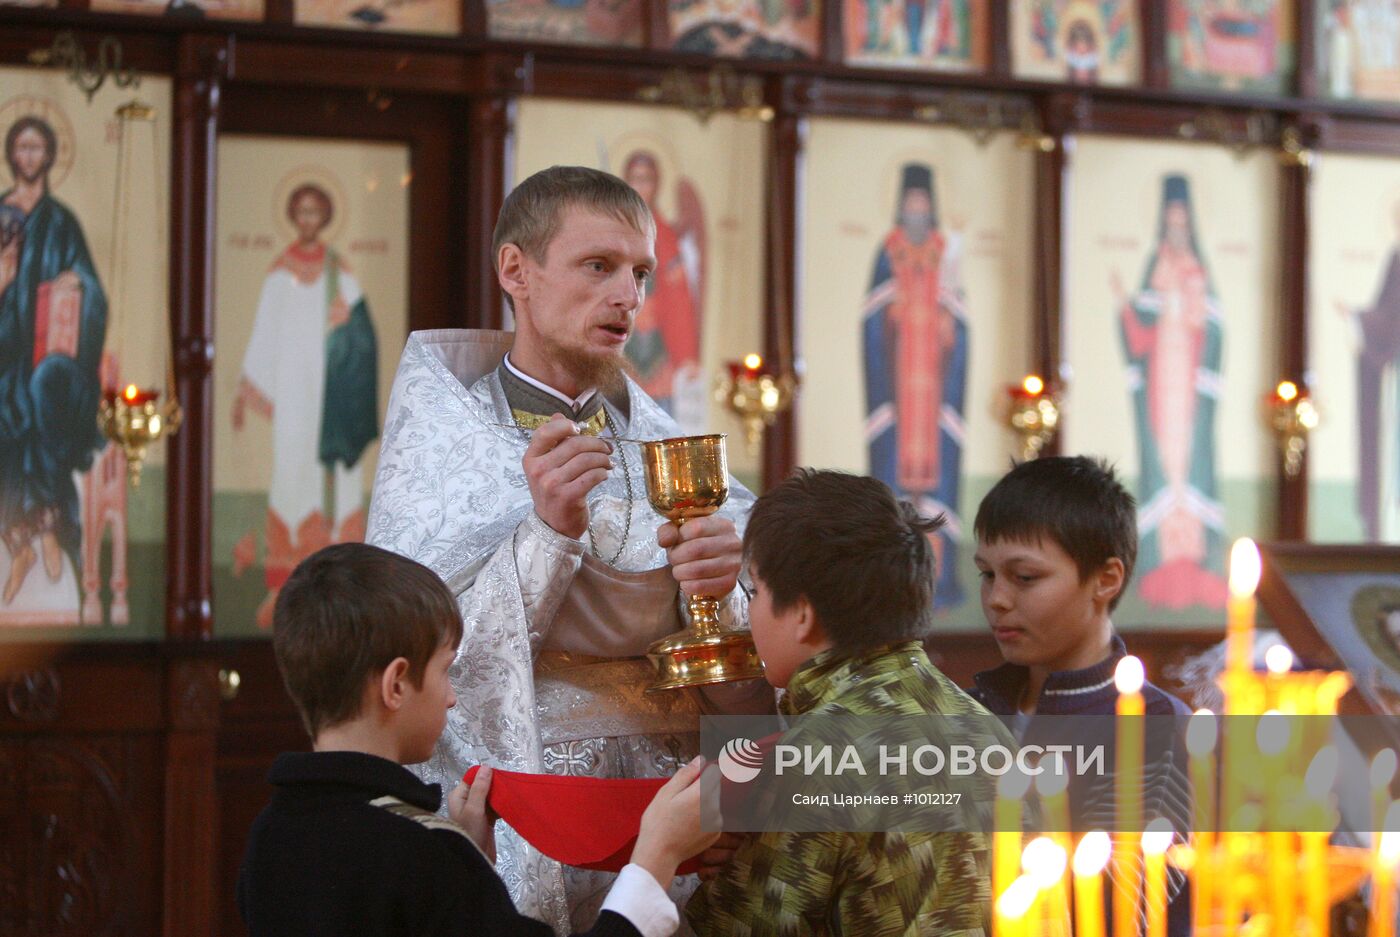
704 614
703 609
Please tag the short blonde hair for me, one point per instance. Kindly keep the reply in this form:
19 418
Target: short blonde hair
531 214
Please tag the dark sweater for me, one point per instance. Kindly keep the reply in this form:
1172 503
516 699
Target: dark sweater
322 860
1091 693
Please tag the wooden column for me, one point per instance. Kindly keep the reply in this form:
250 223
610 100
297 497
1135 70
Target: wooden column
490 132
192 693
1152 18
201 68
999 44
779 336
1051 178
1307 78
1294 230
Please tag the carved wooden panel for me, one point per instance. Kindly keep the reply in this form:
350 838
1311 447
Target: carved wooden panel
14 859
86 869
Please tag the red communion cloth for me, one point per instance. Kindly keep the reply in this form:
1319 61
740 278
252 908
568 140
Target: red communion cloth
590 823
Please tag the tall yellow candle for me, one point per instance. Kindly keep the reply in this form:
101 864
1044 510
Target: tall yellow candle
1012 907
1051 785
1316 901
1045 862
1387 853
1272 737
1156 840
1238 681
1006 848
1382 773
1128 789
1202 733
1089 860
1245 567
1317 904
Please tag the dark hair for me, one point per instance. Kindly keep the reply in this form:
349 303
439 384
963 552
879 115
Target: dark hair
861 557
344 615
1075 501
316 192
38 125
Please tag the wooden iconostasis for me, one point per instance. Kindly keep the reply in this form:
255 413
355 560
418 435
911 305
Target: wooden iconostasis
1051 150
1164 208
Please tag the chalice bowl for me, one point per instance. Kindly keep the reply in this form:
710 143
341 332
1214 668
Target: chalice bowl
688 477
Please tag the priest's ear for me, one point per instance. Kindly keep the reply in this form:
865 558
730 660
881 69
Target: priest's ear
510 272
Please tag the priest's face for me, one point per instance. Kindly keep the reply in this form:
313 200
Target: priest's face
575 306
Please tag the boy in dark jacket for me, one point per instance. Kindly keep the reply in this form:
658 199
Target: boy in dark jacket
1056 543
351 842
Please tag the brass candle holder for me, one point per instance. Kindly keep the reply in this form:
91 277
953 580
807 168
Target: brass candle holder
1292 416
1034 414
688 477
755 395
133 420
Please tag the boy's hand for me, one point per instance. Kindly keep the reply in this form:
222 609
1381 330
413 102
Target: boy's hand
671 831
467 808
705 555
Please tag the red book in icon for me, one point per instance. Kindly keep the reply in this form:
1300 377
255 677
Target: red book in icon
57 312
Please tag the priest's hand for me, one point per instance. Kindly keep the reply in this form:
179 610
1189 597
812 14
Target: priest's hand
562 467
467 808
670 832
712 860
705 555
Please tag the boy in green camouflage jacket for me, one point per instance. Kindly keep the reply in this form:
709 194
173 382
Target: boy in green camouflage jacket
843 575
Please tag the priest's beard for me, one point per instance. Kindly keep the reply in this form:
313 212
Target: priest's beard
604 372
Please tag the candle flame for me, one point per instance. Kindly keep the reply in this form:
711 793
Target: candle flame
1390 836
1287 391
1128 676
1333 687
1044 860
1279 659
1245 567
130 392
752 361
1157 838
1017 899
1033 384
1383 768
1201 732
1092 853
1182 856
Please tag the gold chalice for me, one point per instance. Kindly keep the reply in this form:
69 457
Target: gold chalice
688 476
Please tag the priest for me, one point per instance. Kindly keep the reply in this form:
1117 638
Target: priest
506 468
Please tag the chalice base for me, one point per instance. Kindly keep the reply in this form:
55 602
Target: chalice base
689 658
